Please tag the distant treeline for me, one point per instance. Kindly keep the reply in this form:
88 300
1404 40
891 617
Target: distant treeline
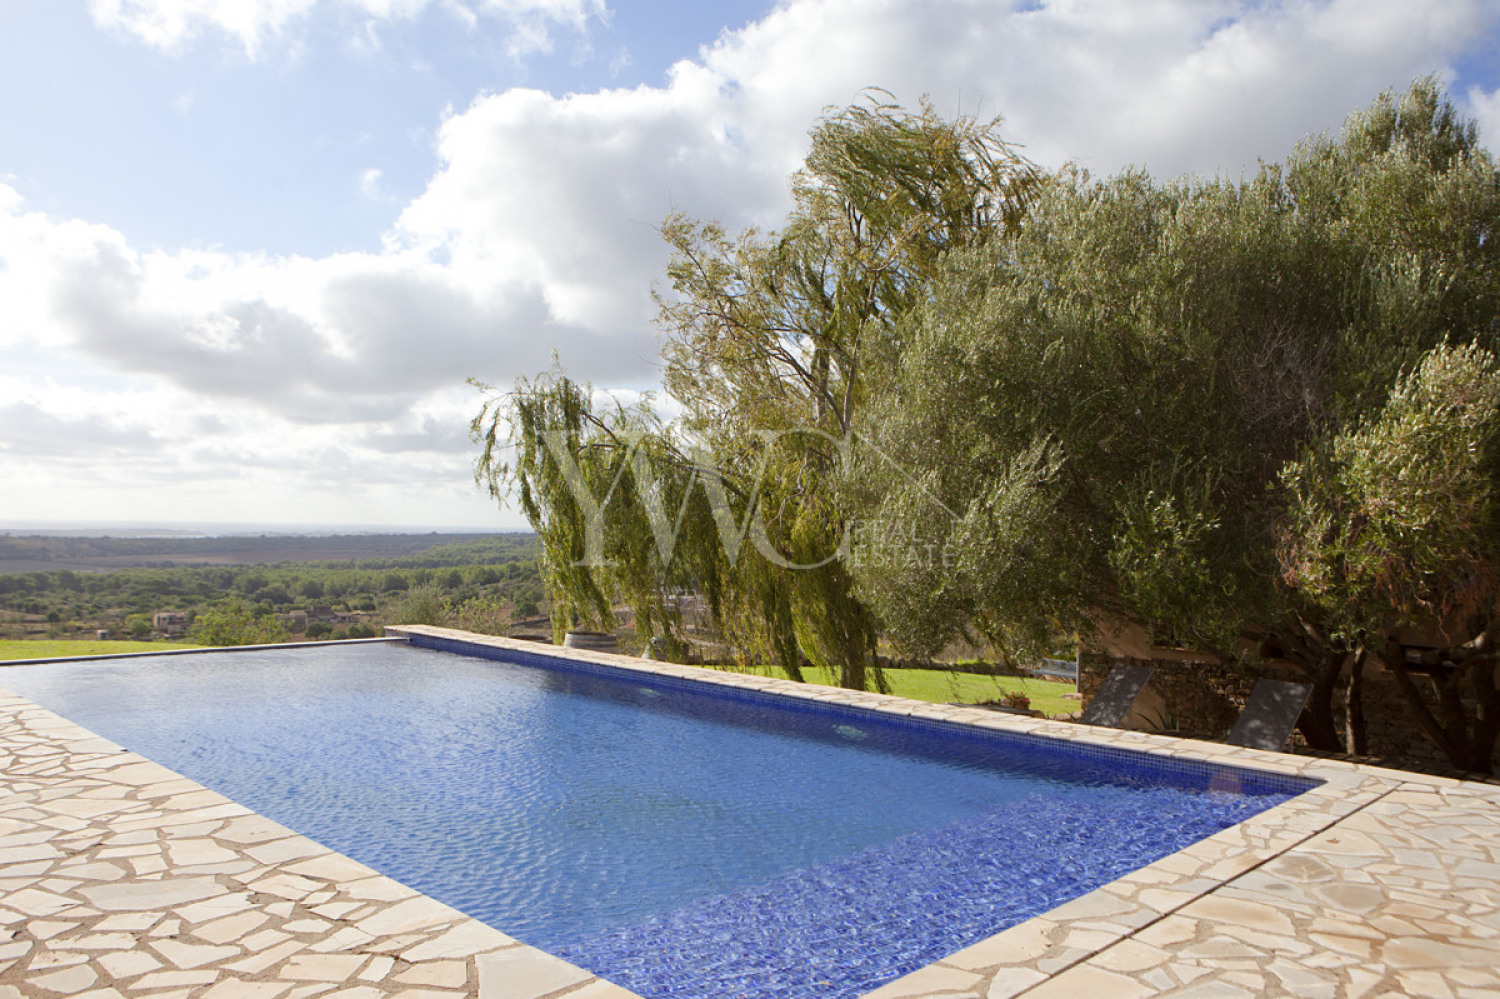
499 569
395 550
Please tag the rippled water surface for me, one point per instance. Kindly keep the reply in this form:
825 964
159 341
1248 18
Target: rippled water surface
681 843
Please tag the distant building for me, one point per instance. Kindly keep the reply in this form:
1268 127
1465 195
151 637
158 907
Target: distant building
173 624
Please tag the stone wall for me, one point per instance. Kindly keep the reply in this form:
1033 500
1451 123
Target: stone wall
1197 699
1203 699
1391 730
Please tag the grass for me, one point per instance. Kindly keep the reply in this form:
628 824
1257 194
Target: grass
918 684
13 650
964 688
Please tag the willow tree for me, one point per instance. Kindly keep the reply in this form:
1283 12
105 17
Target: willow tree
1093 415
584 476
773 343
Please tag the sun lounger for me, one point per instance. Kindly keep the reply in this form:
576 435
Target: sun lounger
1116 695
1270 715
1062 669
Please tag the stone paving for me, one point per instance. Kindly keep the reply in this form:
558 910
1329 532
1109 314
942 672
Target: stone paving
120 879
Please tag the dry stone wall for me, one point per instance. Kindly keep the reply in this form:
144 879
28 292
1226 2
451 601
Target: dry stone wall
1203 699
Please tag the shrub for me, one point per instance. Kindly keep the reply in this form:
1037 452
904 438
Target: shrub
423 605
231 623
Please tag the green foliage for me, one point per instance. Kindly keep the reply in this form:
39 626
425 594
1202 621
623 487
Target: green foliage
117 598
482 615
11 651
1392 525
1162 562
423 605
1392 522
943 687
1170 347
231 623
378 551
951 396
773 344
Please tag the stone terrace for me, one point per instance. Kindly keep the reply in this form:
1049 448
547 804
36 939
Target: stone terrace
121 879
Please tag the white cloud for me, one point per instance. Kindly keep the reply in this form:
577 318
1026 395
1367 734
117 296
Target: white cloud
171 24
28 430
348 338
565 191
538 232
369 183
1485 110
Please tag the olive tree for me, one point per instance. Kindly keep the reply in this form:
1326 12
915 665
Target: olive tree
1093 415
1393 528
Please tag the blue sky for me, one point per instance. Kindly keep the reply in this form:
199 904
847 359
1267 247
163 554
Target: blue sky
250 250
204 145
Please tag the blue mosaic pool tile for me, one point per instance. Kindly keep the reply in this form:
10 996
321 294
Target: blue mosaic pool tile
841 929
1131 764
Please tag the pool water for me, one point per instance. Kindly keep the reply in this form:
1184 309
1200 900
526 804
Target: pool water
679 839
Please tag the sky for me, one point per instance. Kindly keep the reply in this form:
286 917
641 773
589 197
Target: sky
251 251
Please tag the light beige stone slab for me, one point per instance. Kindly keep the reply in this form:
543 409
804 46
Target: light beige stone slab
236 988
140 896
407 915
467 938
379 967
524 973
34 902
931 980
331 867
185 955
1009 982
1088 981
128 964
322 967
175 979
213 908
444 974
261 959
69 981
282 850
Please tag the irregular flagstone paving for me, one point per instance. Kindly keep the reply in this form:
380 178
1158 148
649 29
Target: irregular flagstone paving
121 879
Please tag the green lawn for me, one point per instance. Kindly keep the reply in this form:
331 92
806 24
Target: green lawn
918 684
963 688
47 649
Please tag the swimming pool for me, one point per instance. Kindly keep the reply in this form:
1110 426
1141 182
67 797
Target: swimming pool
677 840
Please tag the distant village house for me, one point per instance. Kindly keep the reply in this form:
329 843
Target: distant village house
173 624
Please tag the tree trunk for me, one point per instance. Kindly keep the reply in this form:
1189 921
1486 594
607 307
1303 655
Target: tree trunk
1316 721
1453 737
1356 736
1487 702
